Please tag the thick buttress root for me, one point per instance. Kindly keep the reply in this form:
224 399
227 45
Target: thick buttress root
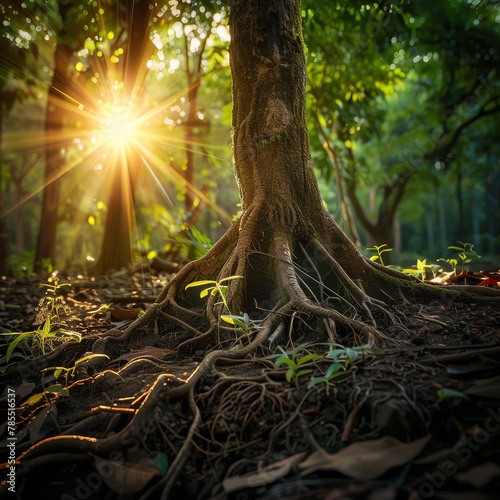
283 276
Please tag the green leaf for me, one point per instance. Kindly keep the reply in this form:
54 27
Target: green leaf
451 393
230 278
206 291
335 353
160 459
307 358
303 372
45 328
90 356
289 375
57 389
374 258
200 283
333 369
14 343
351 354
228 319
315 381
286 361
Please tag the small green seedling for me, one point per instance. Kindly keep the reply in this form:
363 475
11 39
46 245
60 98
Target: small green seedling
342 357
50 394
379 249
40 336
445 393
217 287
420 269
294 361
244 322
465 253
52 305
69 372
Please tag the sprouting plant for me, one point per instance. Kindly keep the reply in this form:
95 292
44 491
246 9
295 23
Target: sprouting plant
52 304
69 372
40 336
244 322
419 270
49 394
465 253
379 249
295 362
216 287
342 357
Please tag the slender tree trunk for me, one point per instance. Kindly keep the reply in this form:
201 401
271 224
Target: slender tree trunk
116 248
189 138
462 225
46 245
4 239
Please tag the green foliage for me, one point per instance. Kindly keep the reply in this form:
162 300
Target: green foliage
49 394
419 270
44 334
465 254
295 362
217 287
445 393
52 305
49 311
379 249
21 263
242 322
69 372
342 357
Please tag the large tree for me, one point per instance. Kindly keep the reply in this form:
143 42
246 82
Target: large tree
288 253
293 259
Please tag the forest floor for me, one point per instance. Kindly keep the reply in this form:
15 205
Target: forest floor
415 421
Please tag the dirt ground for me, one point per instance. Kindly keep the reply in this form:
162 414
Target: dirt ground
418 420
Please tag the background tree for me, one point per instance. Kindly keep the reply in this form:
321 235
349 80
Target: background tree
60 92
116 248
18 76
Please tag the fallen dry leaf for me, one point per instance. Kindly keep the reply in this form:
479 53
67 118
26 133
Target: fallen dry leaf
125 478
365 459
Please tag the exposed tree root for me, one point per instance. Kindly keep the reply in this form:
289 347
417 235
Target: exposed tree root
317 282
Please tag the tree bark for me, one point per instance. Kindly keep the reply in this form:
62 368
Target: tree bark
284 256
116 248
46 244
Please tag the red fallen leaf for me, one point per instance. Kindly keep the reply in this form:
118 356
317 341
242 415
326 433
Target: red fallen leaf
489 282
464 275
493 276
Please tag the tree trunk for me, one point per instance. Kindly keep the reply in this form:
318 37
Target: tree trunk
285 252
116 249
4 239
285 256
46 245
